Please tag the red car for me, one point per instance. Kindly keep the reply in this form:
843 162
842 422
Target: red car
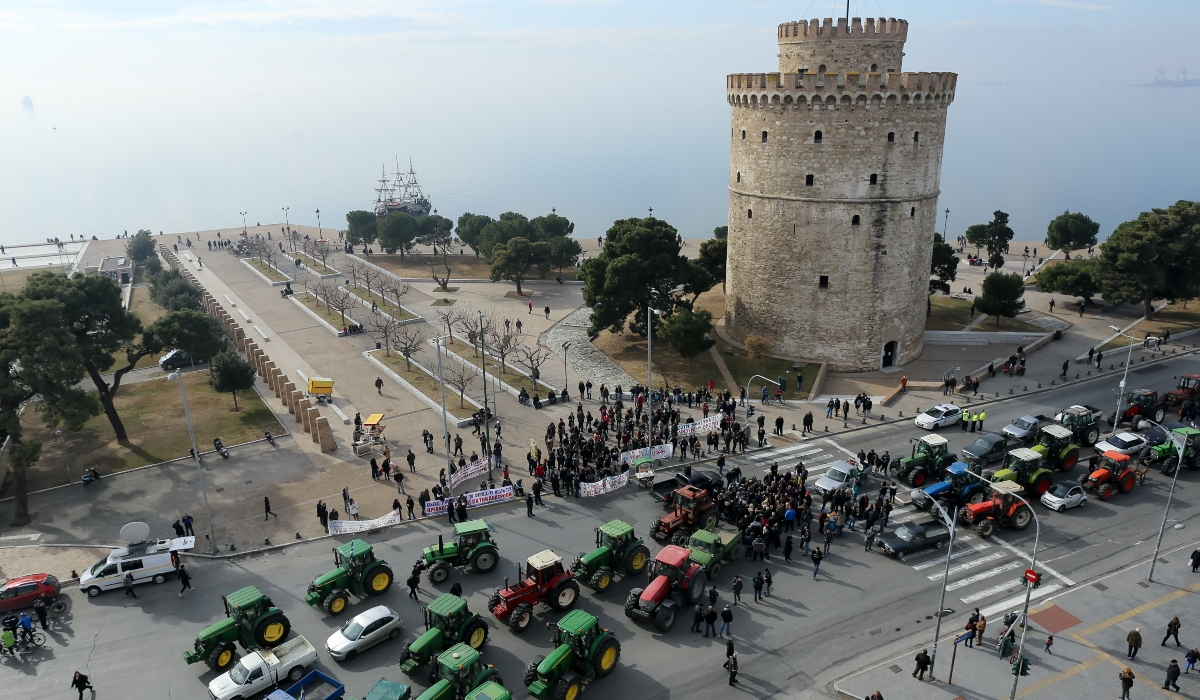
20 592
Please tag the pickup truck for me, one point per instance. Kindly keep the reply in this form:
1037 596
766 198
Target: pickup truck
664 490
1024 429
709 547
319 686
259 670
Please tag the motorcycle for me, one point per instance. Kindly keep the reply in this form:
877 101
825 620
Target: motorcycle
221 448
267 435
90 476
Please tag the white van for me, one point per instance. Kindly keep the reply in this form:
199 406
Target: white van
147 561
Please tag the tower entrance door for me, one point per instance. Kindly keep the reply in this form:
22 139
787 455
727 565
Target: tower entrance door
889 353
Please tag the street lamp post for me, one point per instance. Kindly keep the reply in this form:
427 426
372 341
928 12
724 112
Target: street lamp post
937 632
212 536
319 236
1121 391
1037 535
946 224
287 230
650 355
243 221
487 423
445 421
1180 447
58 433
565 347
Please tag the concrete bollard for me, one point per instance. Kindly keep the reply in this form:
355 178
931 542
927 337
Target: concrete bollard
324 436
294 402
302 413
314 414
288 389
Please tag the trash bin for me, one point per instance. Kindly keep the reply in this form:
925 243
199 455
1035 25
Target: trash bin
378 345
1058 334
783 383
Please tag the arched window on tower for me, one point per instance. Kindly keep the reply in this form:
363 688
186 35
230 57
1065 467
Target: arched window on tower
891 137
854 220
749 213
916 137
764 137
817 136
874 179
874 67
743 134
739 176
808 180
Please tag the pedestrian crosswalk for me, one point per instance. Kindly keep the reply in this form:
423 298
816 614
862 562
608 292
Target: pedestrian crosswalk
817 456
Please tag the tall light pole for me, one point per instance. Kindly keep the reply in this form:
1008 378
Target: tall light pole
487 423
243 221
565 347
946 224
1037 535
937 632
212 536
1180 447
650 313
445 421
319 236
58 433
1121 391
287 230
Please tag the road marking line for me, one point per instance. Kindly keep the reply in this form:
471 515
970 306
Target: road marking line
836 446
967 566
988 593
771 456
1063 675
1040 565
962 583
34 537
942 562
1017 601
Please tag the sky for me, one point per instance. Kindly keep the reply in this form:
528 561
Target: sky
178 116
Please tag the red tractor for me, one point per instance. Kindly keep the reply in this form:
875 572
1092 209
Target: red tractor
1001 509
1142 402
544 580
1116 471
692 509
1186 393
675 582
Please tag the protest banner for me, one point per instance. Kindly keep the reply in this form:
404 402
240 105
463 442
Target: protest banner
474 499
349 527
655 452
596 488
701 426
470 471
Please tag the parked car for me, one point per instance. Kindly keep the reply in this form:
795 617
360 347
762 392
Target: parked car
147 561
19 592
364 631
262 669
985 450
940 415
177 359
1125 443
1023 429
1155 435
914 537
841 474
1064 495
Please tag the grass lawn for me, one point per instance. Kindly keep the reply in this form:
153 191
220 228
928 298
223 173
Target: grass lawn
513 375
147 312
153 416
1173 318
271 273
949 314
14 278
461 266
312 263
742 368
333 318
425 383
393 310
444 302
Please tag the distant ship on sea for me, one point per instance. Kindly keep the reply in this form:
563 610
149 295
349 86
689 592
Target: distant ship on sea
400 194
1181 80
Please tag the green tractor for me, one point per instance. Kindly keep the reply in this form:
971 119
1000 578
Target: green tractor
358 572
459 670
583 651
1056 445
710 547
251 619
618 552
472 546
447 622
1026 468
1168 454
489 691
930 457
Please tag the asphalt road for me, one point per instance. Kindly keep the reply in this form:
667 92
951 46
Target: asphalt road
807 629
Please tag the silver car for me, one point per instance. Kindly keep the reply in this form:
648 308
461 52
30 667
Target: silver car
364 631
1064 495
1021 430
1125 443
841 474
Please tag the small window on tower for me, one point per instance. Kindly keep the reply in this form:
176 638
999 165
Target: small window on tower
817 137
749 213
764 137
916 137
912 213
743 134
808 180
854 220
874 179
739 178
874 67
823 282
891 137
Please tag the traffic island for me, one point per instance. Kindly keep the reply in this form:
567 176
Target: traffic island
268 272
424 385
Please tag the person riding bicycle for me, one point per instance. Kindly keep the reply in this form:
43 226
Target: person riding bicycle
25 625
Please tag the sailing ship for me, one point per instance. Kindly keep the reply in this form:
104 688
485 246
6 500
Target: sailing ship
400 194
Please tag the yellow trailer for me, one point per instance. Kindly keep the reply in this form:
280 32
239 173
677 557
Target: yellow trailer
320 387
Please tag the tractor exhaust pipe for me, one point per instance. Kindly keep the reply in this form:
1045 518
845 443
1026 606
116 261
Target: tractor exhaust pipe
441 546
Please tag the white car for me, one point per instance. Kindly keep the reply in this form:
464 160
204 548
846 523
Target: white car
841 474
938 416
1125 443
364 631
1064 495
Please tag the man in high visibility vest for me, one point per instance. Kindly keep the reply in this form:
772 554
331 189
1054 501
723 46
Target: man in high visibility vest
982 415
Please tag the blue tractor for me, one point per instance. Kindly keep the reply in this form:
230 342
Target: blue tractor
959 486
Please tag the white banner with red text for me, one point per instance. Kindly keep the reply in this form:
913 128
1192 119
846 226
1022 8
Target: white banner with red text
701 426
596 488
469 471
350 527
474 499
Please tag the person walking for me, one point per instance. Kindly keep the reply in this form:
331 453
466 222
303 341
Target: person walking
1134 639
736 587
1191 658
414 582
1172 631
729 652
816 557
188 520
731 663
1049 643
267 512
379 385
697 617
529 504
767 581
412 461
1172 676
710 623
727 623
1126 677
923 662
81 683
758 583
1196 561
128 583
185 579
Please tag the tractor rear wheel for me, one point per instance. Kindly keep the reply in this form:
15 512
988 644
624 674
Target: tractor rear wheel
738 552
918 478
335 602
1091 436
439 572
1040 485
1126 483
713 571
475 634
602 579
631 602
710 520
531 673
271 630
606 657
221 658
521 618
569 686
1069 459
986 528
695 590
1104 492
484 561
378 580
1020 518
636 560
565 596
664 618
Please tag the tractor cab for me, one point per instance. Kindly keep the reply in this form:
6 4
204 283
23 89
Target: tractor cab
706 542
542 568
446 612
931 448
1188 388
353 556
670 563
577 628
616 535
471 533
1143 398
687 498
1111 464
1054 438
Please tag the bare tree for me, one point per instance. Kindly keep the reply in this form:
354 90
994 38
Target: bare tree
503 341
339 299
393 287
448 317
369 275
321 250
533 357
408 339
461 376
354 268
383 329
444 282
320 291
476 325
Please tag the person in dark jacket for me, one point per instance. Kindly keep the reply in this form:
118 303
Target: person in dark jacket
727 624
81 683
697 617
710 622
731 663
729 652
816 557
1134 639
1196 561
1172 676
923 662
185 579
1172 631
1126 678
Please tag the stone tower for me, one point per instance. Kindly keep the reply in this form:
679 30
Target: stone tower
834 173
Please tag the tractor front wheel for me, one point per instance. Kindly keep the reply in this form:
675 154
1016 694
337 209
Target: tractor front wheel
222 657
565 596
631 602
475 634
664 618
679 538
1105 491
1091 436
1041 485
569 686
1159 414
986 529
1070 459
738 552
602 579
1021 518
335 602
521 618
531 668
606 657
271 630
439 572
378 580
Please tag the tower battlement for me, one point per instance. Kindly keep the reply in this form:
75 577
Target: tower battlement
846 81
883 29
